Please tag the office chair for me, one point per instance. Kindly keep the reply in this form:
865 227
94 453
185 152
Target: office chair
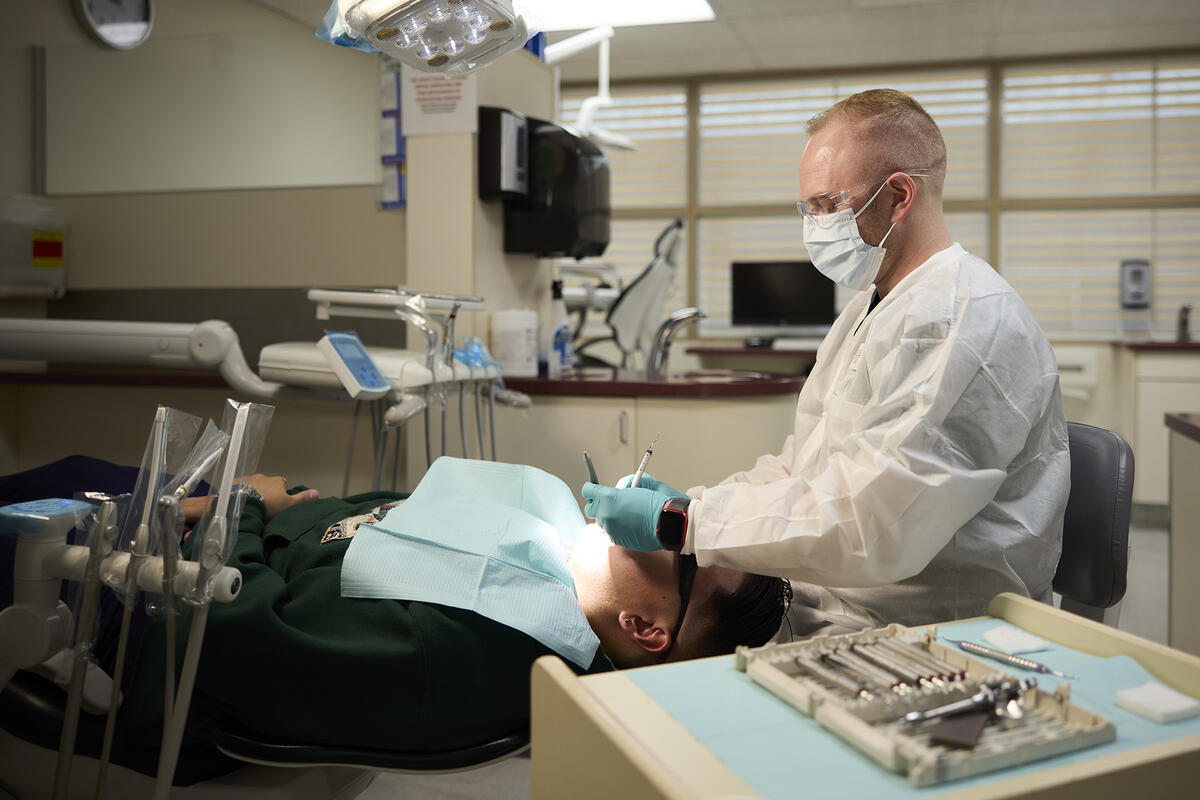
1095 545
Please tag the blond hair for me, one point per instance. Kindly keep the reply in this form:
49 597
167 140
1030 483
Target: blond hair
894 128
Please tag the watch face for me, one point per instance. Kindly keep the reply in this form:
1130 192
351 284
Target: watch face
122 24
672 524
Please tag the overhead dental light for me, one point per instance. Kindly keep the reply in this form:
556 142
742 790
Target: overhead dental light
446 36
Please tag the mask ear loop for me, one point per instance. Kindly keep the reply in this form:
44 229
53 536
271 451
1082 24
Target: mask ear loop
868 205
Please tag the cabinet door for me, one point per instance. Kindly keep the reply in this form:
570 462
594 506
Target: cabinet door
1154 400
705 440
553 433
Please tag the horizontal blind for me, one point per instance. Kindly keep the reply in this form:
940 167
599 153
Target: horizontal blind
751 138
1177 127
630 249
1108 129
1175 267
1066 265
654 175
723 241
752 133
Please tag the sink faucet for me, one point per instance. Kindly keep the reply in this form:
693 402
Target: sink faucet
1182 333
656 362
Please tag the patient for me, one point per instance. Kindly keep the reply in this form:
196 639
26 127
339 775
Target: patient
293 658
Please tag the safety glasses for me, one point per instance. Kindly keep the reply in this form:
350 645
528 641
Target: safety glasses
687 577
821 208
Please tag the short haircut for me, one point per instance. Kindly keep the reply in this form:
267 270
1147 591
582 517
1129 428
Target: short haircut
895 128
750 615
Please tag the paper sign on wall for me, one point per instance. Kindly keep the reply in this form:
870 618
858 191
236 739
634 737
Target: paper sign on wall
438 103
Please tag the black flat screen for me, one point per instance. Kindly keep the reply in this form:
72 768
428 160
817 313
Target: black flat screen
782 294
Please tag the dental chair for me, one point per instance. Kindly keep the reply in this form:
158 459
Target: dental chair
635 315
1095 545
259 767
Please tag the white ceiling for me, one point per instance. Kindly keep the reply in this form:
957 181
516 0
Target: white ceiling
751 36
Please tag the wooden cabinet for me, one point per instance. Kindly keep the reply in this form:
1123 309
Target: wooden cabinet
1164 383
701 440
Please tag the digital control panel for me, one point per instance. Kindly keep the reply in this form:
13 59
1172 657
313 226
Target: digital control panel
358 372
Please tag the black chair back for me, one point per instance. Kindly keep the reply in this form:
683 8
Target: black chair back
1095 547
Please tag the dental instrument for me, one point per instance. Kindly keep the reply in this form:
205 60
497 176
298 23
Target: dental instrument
591 468
156 455
212 550
100 544
1007 658
641 470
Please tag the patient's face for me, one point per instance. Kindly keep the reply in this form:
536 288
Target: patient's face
611 579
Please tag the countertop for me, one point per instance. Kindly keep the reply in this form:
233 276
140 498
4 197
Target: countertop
1160 347
1186 424
605 382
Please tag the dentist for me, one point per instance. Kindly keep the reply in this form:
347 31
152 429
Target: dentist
928 469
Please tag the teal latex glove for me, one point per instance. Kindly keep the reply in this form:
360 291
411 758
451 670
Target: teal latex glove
629 516
650 482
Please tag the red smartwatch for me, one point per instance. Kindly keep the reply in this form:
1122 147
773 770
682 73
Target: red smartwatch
673 523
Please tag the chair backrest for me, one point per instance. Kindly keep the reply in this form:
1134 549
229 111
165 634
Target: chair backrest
1095 547
635 315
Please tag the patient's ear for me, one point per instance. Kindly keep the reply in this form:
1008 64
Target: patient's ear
646 634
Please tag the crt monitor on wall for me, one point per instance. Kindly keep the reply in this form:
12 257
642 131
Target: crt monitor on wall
781 298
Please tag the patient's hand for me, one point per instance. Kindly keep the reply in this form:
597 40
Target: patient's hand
273 489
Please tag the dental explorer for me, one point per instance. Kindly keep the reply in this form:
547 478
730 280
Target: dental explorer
1007 658
641 470
591 468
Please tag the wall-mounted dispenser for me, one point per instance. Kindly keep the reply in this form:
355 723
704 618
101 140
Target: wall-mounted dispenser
503 154
1135 283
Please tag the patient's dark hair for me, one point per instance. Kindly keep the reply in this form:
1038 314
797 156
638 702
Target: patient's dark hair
750 615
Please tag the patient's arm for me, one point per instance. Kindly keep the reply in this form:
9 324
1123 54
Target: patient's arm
273 489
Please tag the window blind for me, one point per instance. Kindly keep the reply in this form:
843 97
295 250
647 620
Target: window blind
1066 266
1108 129
654 175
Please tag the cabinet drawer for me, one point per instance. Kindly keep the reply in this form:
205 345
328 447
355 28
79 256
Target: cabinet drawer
1164 366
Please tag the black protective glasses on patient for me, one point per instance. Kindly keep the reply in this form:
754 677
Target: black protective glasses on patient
687 577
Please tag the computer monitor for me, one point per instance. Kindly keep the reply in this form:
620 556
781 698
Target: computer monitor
781 298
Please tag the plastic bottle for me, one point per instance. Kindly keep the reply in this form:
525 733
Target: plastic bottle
556 335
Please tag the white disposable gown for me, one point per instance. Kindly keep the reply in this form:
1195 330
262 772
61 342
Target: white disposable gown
928 470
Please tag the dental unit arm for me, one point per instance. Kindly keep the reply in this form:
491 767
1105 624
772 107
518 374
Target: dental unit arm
212 344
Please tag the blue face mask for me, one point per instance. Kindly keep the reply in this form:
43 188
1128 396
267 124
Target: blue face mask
838 251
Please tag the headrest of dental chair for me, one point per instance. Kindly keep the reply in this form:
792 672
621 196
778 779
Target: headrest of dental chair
237 741
1095 544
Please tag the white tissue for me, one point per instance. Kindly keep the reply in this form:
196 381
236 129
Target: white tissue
1158 703
1014 640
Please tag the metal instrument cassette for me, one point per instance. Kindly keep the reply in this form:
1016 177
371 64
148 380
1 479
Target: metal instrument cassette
885 691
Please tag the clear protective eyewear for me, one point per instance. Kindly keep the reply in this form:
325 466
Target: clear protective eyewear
821 209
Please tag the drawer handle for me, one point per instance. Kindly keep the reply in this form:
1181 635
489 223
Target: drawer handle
623 427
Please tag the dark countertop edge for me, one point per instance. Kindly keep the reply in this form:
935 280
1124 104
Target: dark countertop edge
780 385
749 351
1185 424
1168 347
174 378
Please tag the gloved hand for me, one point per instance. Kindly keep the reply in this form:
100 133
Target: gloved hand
649 482
629 516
